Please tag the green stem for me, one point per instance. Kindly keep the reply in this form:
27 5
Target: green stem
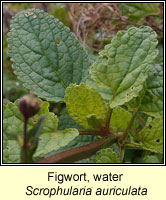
122 153
79 153
125 136
133 146
141 119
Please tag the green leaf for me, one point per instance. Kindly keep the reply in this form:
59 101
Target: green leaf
152 103
13 120
105 93
52 141
105 156
159 58
46 55
151 159
11 152
151 137
136 11
95 121
124 64
120 118
12 89
65 121
150 100
33 137
83 101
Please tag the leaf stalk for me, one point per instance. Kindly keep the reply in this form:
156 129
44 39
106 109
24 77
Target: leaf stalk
79 153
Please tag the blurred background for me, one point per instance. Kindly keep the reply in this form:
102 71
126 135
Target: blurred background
94 24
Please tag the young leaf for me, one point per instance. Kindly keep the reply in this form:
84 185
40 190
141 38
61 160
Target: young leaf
151 137
121 118
46 55
136 11
83 101
151 99
105 156
124 64
52 141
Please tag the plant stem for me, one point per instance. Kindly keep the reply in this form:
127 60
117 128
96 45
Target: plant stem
121 152
107 125
133 146
90 132
79 153
141 119
24 148
94 132
129 126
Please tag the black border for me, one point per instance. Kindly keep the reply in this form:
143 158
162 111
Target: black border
79 164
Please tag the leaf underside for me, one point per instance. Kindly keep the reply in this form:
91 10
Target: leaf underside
46 55
83 102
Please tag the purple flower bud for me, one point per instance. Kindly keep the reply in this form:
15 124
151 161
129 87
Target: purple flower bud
29 106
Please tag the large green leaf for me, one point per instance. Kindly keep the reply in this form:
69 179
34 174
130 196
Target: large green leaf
82 102
151 137
124 64
46 55
136 11
52 141
105 93
152 103
150 100
105 156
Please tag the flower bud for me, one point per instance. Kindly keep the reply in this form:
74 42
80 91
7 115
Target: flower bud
29 106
